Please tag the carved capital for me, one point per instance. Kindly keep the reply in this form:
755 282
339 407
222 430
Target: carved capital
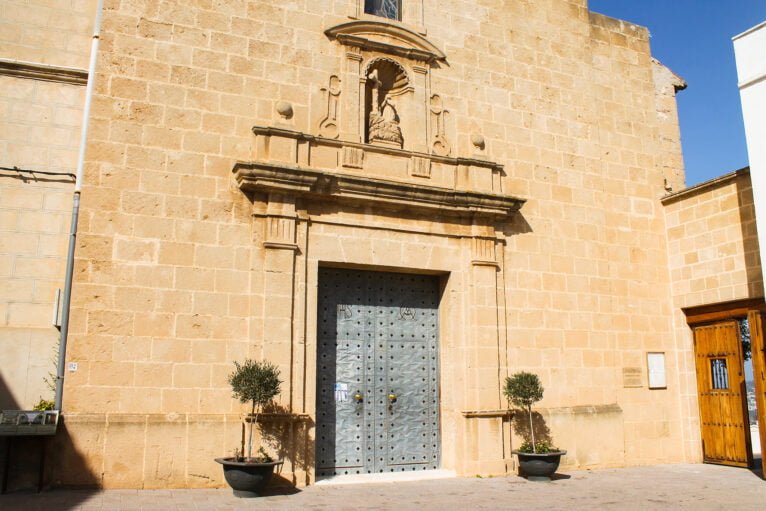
280 232
483 252
280 222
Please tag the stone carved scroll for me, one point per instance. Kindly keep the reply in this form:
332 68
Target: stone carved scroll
439 144
328 127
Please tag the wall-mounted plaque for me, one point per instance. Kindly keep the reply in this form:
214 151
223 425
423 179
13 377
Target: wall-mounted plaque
655 363
632 377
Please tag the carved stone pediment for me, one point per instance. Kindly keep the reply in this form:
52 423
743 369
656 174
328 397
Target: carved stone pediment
299 182
291 171
294 164
388 38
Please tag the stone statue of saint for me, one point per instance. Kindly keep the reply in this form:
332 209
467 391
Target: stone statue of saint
384 121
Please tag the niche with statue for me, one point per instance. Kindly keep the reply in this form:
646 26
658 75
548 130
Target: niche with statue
381 94
385 92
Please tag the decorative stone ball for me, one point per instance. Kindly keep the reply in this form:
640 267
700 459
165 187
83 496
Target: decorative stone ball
284 109
477 140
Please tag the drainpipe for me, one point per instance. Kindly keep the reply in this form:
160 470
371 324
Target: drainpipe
76 210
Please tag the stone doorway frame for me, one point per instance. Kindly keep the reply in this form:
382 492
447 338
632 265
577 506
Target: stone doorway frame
754 310
333 202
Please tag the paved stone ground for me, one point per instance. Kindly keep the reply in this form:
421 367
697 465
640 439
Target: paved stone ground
676 487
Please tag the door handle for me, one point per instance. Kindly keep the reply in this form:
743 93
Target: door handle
358 397
391 401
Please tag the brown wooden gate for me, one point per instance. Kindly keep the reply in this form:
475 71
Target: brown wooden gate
721 387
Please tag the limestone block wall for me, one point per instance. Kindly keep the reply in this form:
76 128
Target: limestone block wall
56 33
588 291
714 257
33 236
174 281
40 116
713 242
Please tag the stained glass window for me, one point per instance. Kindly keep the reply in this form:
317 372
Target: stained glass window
386 8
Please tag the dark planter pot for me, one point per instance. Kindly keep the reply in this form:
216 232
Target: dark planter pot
247 479
539 466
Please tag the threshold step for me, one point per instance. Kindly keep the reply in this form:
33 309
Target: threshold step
386 477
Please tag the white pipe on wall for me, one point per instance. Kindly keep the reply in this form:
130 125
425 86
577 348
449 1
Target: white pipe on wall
58 399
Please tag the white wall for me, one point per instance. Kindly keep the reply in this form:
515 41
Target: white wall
750 52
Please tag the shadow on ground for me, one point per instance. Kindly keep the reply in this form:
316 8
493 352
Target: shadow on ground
280 486
26 459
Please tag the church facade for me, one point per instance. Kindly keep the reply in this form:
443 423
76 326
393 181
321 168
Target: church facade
399 204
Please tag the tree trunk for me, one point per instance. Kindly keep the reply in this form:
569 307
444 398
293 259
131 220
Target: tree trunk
252 425
532 430
242 447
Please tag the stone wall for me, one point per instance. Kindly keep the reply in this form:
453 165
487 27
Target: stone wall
179 271
713 258
35 223
43 54
713 242
56 32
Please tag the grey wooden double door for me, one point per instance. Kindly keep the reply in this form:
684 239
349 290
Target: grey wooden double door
377 372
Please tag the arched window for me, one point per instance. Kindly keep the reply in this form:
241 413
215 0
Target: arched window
391 9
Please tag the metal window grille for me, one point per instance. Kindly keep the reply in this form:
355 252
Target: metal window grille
720 373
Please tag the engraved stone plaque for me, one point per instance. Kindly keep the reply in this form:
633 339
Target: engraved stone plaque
632 377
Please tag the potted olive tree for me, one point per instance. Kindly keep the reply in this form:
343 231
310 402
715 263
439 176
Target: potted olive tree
538 459
256 383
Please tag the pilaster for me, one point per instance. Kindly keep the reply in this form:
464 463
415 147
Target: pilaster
279 265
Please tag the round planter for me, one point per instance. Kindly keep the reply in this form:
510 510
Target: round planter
247 479
539 466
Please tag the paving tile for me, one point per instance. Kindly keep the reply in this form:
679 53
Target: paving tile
677 487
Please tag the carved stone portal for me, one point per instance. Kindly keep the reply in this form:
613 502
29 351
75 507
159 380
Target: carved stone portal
385 80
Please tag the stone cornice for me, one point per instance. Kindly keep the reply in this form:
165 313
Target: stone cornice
45 72
294 180
385 38
704 186
269 131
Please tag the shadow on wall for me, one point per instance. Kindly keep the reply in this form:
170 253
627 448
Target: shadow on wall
25 456
755 284
520 424
7 401
289 435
